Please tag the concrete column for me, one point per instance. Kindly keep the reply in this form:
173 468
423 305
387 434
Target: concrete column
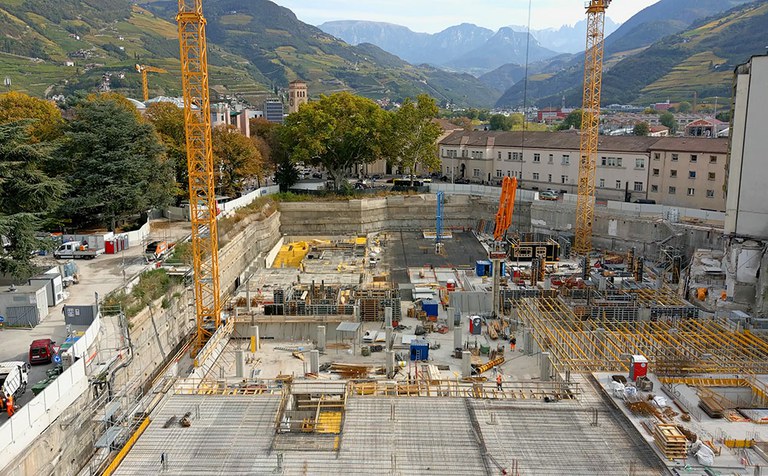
390 363
239 363
255 343
466 364
357 313
458 340
545 367
513 316
527 342
450 319
389 338
644 314
387 316
314 361
248 295
321 338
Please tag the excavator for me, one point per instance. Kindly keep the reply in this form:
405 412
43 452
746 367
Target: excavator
503 220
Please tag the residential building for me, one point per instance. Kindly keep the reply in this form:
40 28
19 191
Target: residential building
658 131
273 110
747 203
688 172
297 95
628 167
548 160
705 128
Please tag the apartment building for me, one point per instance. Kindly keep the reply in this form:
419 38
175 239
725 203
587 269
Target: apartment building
542 160
688 172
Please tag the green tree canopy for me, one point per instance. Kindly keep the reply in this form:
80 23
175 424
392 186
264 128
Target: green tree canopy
668 119
27 196
338 132
168 120
573 119
641 129
46 124
500 122
236 158
684 106
114 163
411 137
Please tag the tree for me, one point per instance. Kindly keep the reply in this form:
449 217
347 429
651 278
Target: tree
338 132
27 196
684 107
46 124
168 120
114 162
500 122
668 119
573 119
236 158
411 137
641 129
463 122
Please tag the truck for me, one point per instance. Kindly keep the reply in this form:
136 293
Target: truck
14 376
75 250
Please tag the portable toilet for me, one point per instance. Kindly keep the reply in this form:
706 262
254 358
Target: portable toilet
483 268
419 350
638 367
475 325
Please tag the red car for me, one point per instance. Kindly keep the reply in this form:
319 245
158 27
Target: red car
41 351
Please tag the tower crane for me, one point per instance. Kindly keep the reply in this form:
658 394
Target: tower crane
144 69
202 196
503 220
590 122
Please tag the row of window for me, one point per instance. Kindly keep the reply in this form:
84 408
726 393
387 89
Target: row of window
691 174
690 192
693 157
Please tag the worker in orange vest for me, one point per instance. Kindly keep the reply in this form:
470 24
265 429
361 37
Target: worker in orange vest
9 406
498 381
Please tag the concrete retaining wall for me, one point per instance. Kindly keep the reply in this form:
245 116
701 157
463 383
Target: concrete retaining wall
235 257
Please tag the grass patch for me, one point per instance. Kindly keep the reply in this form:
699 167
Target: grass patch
152 285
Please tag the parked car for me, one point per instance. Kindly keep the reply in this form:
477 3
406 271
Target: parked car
646 201
41 351
548 195
156 250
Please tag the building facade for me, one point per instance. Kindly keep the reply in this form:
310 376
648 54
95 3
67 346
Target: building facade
297 95
543 160
273 110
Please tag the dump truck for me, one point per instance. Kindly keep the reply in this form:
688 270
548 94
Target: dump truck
14 376
75 250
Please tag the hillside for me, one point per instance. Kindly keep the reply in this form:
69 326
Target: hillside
567 38
700 59
251 52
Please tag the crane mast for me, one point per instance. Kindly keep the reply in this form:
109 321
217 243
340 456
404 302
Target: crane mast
590 122
202 196
503 221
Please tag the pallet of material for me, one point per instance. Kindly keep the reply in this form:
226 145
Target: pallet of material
670 441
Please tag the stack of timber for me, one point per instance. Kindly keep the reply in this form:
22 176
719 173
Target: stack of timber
670 440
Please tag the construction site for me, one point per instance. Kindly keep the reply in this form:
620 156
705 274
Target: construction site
439 332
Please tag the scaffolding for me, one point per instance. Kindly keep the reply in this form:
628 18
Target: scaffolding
673 346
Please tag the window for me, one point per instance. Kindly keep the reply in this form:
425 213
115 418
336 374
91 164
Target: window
618 184
694 158
710 194
537 157
549 178
672 190
674 157
499 156
477 154
656 172
611 162
712 159
566 159
656 156
464 152
509 173
602 183
639 163
655 188
564 179
476 173
447 171
509 155
551 158
638 186
711 176
535 176
603 161
517 156
673 173
692 174
499 174
691 192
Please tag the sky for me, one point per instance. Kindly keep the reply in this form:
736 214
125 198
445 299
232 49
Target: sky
431 16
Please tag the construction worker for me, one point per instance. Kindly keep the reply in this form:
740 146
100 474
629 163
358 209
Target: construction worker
9 406
512 343
498 381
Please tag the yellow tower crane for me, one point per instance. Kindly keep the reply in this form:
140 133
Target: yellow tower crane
590 122
202 196
144 69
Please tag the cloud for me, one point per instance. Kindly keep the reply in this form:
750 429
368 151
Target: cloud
430 16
